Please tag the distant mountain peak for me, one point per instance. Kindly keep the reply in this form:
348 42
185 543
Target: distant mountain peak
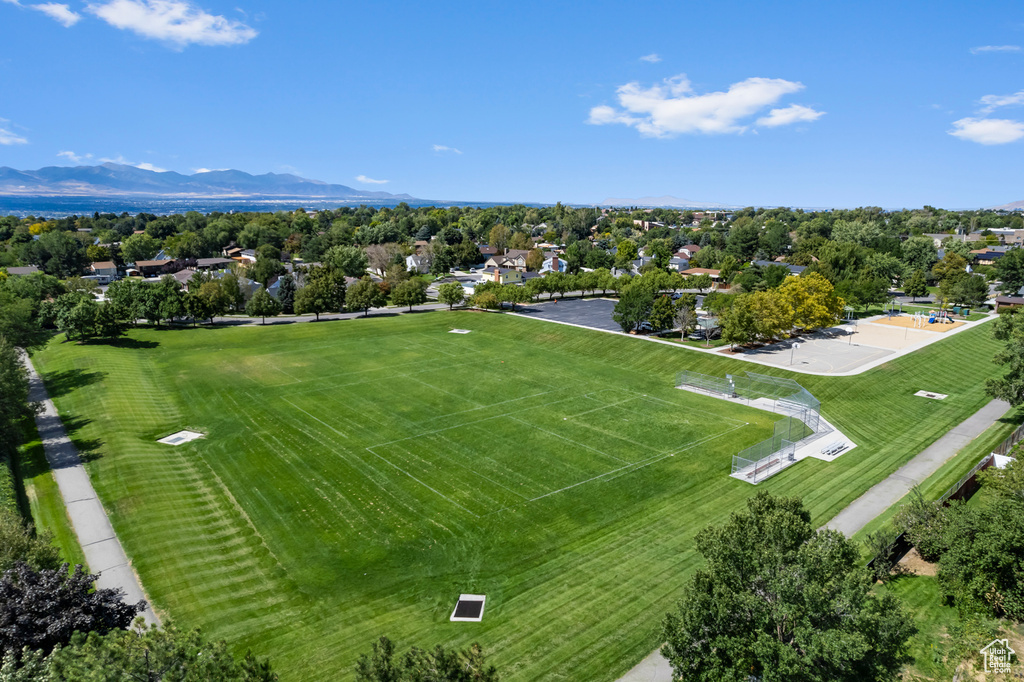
663 202
111 179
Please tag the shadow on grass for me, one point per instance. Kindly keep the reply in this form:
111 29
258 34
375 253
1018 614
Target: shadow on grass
63 382
126 342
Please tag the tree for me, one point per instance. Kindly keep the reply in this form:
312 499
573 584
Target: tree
409 293
233 290
969 290
513 293
738 323
195 306
286 293
772 314
534 260
916 286
41 609
983 559
352 261
265 269
813 301
314 298
262 304
18 543
154 655
451 293
498 237
778 600
599 259
417 665
625 253
486 300
634 308
700 282
363 295
919 253
14 405
1010 270
663 314
139 247
215 300
1010 387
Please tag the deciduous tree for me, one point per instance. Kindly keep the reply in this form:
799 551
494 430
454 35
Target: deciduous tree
777 600
451 294
263 305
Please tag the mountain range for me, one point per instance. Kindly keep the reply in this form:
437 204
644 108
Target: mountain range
118 180
663 202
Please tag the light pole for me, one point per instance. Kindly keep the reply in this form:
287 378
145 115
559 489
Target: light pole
792 351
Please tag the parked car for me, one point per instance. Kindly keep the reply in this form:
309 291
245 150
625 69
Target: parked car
702 334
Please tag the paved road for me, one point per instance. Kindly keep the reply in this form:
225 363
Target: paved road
887 493
656 668
102 549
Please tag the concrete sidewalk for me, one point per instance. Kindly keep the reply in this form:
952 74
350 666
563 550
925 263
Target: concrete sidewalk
102 549
887 493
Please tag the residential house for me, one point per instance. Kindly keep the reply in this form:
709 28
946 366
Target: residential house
1003 302
688 251
182 277
151 268
213 263
678 264
715 276
553 264
512 259
417 263
248 255
988 256
105 270
503 275
487 251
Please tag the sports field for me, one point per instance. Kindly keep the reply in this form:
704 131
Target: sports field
357 476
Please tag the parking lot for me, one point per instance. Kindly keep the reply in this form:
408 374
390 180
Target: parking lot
587 312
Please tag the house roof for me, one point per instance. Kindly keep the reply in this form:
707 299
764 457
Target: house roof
150 263
516 253
702 271
204 262
1009 300
104 265
488 250
183 275
795 269
26 270
692 248
501 271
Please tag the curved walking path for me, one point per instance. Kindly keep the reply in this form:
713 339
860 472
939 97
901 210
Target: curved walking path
102 549
860 512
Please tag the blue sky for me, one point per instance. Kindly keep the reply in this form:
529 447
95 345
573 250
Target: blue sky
809 104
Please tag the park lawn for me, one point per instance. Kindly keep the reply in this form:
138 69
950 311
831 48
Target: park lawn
358 475
43 497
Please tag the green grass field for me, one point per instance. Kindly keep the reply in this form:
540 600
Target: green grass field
358 475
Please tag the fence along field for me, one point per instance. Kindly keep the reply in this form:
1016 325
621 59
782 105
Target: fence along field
290 529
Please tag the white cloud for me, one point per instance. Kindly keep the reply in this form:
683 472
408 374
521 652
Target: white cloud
988 131
371 181
208 170
794 113
672 107
73 157
993 102
13 2
7 136
174 21
653 58
58 12
995 48
145 165
443 148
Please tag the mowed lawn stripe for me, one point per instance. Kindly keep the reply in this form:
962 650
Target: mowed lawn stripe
577 582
